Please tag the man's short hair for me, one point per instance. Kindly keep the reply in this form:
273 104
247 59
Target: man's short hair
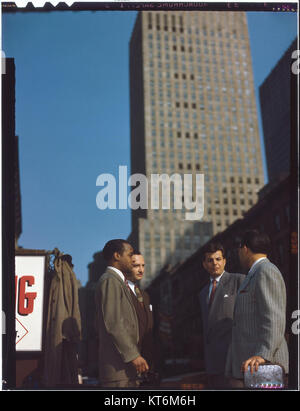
113 246
136 252
212 248
258 242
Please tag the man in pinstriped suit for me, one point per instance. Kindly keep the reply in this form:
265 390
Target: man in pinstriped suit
259 313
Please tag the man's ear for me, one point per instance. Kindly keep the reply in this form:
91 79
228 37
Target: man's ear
246 248
116 256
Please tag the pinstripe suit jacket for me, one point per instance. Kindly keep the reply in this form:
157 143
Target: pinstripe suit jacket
259 319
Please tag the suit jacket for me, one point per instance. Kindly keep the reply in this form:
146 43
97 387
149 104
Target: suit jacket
259 319
117 328
145 320
217 321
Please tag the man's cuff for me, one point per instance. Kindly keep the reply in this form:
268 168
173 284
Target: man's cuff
130 356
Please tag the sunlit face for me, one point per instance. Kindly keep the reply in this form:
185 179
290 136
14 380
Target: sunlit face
125 258
214 263
138 268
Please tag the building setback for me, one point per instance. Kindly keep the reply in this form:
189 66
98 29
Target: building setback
193 111
275 100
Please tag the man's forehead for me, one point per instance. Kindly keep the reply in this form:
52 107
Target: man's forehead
137 258
127 247
215 254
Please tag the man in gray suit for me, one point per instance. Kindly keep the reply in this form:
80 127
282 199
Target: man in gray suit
120 360
259 313
217 302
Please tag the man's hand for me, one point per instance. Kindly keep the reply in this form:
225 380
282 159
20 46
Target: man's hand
254 362
140 364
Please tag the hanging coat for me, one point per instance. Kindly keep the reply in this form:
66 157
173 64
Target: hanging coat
63 327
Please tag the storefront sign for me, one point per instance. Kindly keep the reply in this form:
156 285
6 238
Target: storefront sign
29 287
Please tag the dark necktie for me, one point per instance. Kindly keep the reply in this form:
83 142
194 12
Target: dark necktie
138 294
212 293
127 285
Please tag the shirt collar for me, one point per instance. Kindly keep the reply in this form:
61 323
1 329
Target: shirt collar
117 271
217 278
255 262
131 285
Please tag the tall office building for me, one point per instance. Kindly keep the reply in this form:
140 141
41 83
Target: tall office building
275 100
193 111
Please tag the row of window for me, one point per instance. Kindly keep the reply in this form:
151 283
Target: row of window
213 63
205 49
212 128
218 139
205 148
219 33
205 103
188 166
208 212
225 211
199 41
182 48
166 28
231 169
186 105
184 76
230 83
221 159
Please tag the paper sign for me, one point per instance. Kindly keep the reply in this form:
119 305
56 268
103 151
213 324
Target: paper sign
29 285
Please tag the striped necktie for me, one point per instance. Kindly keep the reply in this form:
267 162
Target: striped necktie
138 294
212 293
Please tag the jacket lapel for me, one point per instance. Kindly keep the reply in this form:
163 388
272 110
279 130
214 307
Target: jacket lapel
115 275
147 309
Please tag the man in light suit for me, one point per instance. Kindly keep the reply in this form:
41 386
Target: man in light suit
259 313
217 301
120 360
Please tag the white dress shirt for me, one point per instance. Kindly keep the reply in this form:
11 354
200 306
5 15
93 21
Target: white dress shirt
131 285
211 282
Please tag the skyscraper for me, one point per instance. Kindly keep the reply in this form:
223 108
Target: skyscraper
275 100
193 111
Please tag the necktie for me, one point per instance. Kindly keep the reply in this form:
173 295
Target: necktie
127 285
138 294
212 294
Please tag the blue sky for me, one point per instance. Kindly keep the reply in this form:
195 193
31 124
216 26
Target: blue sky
72 118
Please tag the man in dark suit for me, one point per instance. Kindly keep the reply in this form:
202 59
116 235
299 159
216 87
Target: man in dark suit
120 359
217 301
143 309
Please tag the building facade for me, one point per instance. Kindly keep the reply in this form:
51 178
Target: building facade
275 100
193 111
